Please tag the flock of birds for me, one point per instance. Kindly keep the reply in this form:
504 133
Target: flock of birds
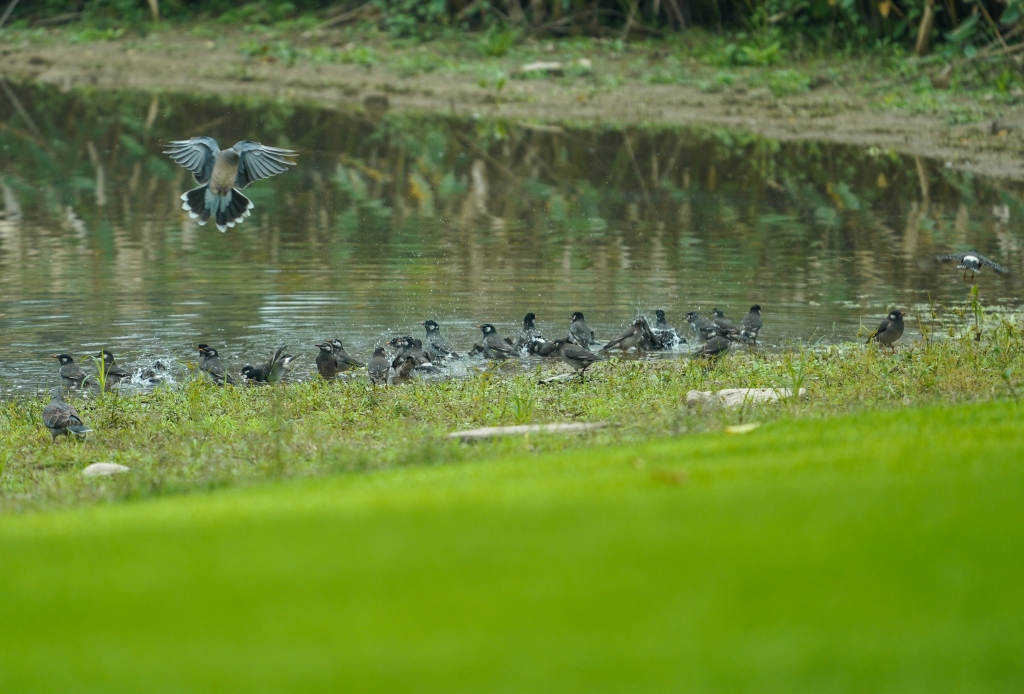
221 174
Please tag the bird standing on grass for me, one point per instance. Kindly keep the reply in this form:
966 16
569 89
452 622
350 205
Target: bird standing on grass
579 358
890 330
222 174
379 369
61 418
750 326
972 261
70 373
209 363
579 332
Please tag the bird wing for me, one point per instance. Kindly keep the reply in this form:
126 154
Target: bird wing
612 344
56 416
953 256
197 155
994 266
257 161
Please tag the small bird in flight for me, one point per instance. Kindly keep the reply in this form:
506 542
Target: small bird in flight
222 173
972 260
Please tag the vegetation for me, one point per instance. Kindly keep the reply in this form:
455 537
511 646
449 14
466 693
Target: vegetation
873 552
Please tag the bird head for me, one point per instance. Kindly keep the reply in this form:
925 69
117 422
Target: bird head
64 359
691 316
528 319
430 325
378 351
249 372
756 308
718 314
577 315
487 328
896 315
336 344
324 347
660 315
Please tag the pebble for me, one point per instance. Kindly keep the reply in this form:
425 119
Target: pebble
104 469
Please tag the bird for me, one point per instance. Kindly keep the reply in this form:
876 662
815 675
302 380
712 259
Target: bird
403 347
222 174
579 358
112 373
750 326
889 330
404 370
434 345
61 418
725 327
271 370
542 348
527 334
209 362
342 358
713 348
379 369
579 332
664 335
704 328
326 365
70 374
493 346
973 261
631 337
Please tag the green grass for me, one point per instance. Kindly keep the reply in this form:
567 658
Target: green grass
875 552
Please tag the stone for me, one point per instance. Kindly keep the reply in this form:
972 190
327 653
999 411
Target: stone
104 469
738 397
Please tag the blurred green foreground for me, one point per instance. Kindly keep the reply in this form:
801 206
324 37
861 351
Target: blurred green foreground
880 552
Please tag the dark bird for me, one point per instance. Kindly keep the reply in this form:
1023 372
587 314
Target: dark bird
404 370
750 326
579 332
664 335
71 375
630 338
271 370
326 365
61 418
527 334
418 353
972 261
579 358
113 373
493 346
210 364
890 330
342 358
725 327
434 345
403 347
222 174
713 348
704 328
542 348
379 369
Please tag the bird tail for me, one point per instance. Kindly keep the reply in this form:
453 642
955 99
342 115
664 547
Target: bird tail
79 429
227 210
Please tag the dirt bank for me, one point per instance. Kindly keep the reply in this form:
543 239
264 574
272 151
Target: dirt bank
836 110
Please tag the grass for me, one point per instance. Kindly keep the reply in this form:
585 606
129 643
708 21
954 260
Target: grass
879 551
200 437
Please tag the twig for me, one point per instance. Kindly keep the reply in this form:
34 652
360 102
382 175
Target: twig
674 4
484 153
995 28
629 20
21 109
7 12
343 17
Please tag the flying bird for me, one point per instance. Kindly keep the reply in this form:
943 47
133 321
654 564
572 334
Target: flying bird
972 260
222 174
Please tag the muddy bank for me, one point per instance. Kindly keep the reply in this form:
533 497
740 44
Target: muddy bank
992 144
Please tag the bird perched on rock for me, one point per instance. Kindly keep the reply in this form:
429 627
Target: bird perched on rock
61 418
579 358
434 345
704 328
890 330
493 346
222 174
326 366
70 374
725 327
379 369
271 370
342 358
713 348
972 261
209 363
631 337
113 373
750 326
579 332
527 334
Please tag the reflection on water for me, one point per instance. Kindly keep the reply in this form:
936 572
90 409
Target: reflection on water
385 223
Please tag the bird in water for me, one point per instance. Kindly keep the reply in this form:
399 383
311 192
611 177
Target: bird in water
890 330
326 366
70 374
342 358
434 345
631 337
579 332
493 346
222 174
61 418
704 328
210 364
542 348
379 369
972 262
725 327
527 334
113 374
269 371
579 358
750 326
662 335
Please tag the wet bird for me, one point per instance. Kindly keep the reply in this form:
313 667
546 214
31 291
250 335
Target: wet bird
665 336
342 358
434 345
542 348
403 347
210 364
972 261
113 373
579 358
704 328
404 370
579 332
631 337
379 369
493 346
713 348
890 330
271 370
61 418
750 326
527 334
70 374
326 365
222 174
725 327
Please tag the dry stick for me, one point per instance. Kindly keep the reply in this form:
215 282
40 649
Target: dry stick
21 109
995 28
678 13
629 21
7 12
154 9
343 17
924 30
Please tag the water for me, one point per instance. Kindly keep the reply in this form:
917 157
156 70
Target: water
392 219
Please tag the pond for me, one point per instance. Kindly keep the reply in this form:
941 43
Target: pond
393 218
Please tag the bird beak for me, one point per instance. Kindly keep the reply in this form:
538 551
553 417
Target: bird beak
480 326
55 356
423 322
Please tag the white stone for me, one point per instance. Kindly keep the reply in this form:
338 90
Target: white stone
104 469
738 397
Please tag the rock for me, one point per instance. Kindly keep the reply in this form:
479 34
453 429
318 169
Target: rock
738 397
549 66
523 429
104 469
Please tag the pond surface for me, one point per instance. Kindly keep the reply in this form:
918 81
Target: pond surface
390 219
